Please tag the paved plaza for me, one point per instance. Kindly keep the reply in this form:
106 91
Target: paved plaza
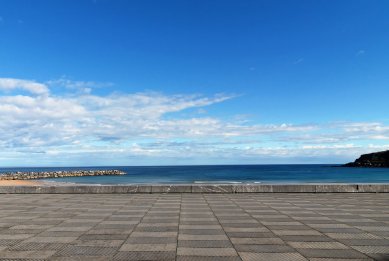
263 226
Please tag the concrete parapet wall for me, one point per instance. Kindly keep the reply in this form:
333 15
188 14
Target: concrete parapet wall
195 188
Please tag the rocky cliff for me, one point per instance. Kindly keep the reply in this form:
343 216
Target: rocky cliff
373 160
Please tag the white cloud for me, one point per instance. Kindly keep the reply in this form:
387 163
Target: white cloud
379 137
363 127
47 120
330 146
80 86
9 84
64 128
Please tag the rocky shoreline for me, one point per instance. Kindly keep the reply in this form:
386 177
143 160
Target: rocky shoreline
57 174
371 160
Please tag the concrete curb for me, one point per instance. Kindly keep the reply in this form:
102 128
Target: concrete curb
197 188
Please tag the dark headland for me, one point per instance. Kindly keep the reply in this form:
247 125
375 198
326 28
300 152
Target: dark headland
371 160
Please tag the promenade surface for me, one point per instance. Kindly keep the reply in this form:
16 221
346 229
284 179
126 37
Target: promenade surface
269 226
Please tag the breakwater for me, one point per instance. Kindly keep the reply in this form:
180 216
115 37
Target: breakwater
57 174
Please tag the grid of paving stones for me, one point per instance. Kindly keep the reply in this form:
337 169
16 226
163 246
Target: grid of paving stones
268 226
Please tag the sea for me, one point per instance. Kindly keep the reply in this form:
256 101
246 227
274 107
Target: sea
224 174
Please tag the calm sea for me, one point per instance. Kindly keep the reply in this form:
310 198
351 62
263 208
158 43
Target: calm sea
229 174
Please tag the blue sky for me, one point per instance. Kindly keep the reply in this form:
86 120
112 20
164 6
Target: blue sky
192 82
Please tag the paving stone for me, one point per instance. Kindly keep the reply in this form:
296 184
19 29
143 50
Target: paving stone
77 258
108 231
21 231
51 239
154 234
14 236
197 222
188 227
69 229
332 225
240 223
300 238
160 256
60 234
331 253
71 250
202 237
202 231
364 242
12 255
340 259
372 249
246 229
352 236
36 227
204 243
289 227
296 232
98 243
339 230
318 245
248 256
103 237
156 229
31 246
148 247
250 234
264 248
257 241
9 242
208 258
154 224
274 226
151 240
379 257
187 251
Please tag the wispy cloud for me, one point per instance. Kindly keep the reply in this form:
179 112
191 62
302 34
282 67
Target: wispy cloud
9 84
79 86
39 125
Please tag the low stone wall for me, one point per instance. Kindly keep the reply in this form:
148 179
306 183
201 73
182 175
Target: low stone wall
57 174
246 188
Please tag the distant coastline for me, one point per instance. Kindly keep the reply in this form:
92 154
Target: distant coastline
372 160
